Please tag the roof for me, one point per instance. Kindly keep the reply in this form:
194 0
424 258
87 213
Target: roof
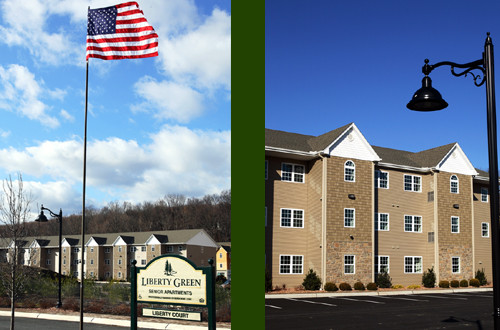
138 238
300 142
425 158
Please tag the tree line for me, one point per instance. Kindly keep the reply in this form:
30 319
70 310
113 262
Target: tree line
173 212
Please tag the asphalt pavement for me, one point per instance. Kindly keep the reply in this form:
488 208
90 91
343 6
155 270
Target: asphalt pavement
418 309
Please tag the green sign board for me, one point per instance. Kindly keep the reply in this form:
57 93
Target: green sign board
173 280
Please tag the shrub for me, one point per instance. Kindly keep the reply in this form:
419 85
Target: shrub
413 286
455 284
311 281
220 279
372 286
47 303
474 282
429 278
444 284
397 286
345 286
330 286
359 286
464 283
481 277
384 280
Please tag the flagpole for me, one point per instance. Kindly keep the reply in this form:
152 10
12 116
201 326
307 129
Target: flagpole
83 193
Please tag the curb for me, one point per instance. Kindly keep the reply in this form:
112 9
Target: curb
374 293
105 321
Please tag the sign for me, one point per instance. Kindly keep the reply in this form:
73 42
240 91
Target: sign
171 280
171 314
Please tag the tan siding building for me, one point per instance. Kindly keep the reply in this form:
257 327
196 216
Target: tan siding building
349 210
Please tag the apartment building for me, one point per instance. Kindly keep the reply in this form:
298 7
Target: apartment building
349 210
109 256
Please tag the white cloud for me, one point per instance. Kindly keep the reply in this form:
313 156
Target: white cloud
168 100
66 115
202 55
22 93
177 159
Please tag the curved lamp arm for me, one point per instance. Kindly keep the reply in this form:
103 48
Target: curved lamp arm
475 65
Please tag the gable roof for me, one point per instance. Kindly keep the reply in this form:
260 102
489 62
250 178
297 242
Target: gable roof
425 158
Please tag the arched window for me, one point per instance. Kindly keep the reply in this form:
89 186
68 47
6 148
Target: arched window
349 171
454 184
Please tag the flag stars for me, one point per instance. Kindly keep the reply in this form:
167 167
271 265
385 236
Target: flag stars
102 21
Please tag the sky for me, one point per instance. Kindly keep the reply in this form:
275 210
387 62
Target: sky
156 126
330 63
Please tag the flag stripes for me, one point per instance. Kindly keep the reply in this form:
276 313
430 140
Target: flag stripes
133 36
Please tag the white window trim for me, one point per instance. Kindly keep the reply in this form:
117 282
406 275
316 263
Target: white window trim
291 264
353 167
487 229
377 179
388 264
484 192
353 264
413 223
292 217
353 218
293 173
457 272
413 264
457 225
377 219
412 183
458 185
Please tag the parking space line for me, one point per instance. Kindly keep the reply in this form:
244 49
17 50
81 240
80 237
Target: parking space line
361 300
312 302
274 306
441 297
471 295
400 298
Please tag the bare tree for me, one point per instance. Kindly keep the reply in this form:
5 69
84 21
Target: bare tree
14 213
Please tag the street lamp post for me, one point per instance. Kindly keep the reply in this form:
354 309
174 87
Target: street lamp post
43 218
429 99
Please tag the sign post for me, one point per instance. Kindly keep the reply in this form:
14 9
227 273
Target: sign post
173 280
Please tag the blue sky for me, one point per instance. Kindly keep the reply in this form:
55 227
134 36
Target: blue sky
156 126
330 63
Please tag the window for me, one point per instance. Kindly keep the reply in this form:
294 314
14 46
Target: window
413 264
454 184
119 249
91 249
266 168
152 248
143 248
292 218
49 251
455 225
292 172
349 267
413 183
382 221
291 264
119 274
143 262
381 179
349 218
47 262
413 223
485 229
107 250
170 248
106 262
484 195
382 264
76 250
455 264
91 261
119 261
349 171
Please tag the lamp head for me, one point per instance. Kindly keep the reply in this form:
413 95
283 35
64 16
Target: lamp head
427 98
41 217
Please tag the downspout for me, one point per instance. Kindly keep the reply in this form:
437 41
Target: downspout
436 227
323 219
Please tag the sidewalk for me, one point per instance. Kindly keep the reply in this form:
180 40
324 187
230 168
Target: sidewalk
353 293
124 322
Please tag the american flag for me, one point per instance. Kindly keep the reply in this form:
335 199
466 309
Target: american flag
118 32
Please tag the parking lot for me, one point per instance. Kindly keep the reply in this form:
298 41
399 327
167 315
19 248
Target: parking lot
471 310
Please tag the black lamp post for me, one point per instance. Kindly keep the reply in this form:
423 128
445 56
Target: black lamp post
429 99
43 218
